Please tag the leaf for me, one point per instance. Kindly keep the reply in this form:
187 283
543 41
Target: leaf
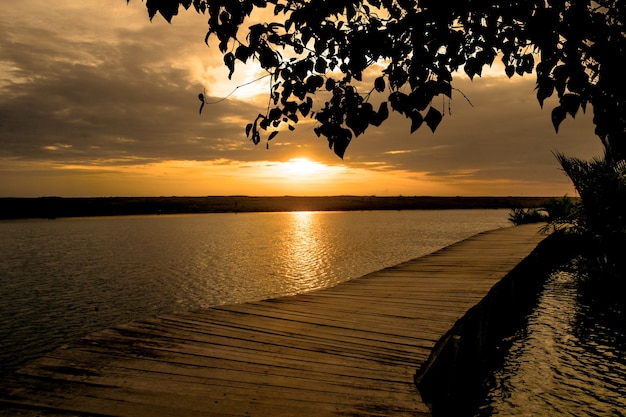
570 103
275 114
527 63
304 109
288 24
416 121
243 53
290 107
272 135
420 98
339 142
167 9
256 137
379 117
445 88
223 46
224 17
357 121
379 84
545 88
558 115
320 65
229 60
314 82
248 128
472 67
560 75
152 7
578 81
201 98
433 118
399 102
268 58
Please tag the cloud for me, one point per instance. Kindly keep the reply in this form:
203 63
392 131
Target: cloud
88 87
123 93
503 133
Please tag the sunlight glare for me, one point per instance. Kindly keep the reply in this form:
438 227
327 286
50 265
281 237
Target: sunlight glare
304 250
303 167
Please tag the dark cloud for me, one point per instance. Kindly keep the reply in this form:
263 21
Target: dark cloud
503 133
103 100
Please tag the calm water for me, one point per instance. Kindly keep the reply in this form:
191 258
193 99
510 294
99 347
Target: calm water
61 279
570 360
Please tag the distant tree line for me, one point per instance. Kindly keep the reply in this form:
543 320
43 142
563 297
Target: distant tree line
53 207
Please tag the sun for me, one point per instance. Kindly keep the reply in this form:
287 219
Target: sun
300 175
302 167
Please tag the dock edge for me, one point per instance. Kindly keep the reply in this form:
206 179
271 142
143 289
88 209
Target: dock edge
451 379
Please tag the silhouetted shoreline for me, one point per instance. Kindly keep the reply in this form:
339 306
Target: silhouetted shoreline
53 207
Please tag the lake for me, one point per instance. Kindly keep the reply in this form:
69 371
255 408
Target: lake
62 279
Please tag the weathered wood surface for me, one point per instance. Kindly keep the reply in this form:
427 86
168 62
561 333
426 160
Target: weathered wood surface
351 350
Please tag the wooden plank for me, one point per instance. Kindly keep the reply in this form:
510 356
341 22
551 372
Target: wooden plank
348 350
234 383
183 366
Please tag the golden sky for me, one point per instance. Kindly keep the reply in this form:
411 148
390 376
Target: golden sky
96 100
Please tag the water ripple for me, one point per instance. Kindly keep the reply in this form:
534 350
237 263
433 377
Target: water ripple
65 278
566 363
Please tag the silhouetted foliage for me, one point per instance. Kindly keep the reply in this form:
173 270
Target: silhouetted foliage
601 185
519 215
601 214
407 50
564 208
561 213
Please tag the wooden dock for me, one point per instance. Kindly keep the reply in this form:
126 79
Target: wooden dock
350 350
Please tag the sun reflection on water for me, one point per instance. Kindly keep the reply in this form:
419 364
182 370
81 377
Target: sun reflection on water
305 250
